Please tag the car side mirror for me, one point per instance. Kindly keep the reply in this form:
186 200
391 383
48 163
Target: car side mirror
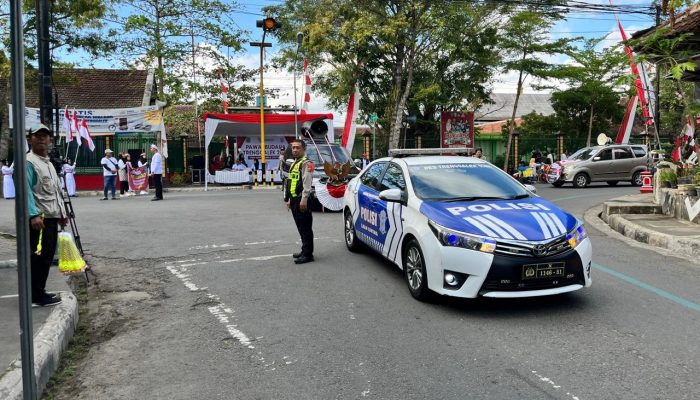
531 188
393 195
596 158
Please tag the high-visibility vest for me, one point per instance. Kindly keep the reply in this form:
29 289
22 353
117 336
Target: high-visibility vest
295 177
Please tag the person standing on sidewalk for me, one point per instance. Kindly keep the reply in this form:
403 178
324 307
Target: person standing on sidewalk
157 172
8 184
124 161
69 173
298 191
143 163
46 213
109 171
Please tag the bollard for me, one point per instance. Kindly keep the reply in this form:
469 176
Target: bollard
647 186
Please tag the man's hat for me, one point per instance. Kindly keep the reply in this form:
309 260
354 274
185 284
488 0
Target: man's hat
154 147
108 151
38 128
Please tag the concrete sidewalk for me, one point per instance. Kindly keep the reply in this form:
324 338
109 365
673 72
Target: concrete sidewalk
52 326
639 218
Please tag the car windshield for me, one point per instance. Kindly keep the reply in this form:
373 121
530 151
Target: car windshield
463 182
330 154
583 154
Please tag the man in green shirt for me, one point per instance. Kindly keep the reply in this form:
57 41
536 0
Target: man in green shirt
46 212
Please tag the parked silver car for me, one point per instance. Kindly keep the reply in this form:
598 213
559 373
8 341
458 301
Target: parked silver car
610 163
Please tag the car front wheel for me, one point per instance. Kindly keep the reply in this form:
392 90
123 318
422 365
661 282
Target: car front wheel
581 180
414 271
349 229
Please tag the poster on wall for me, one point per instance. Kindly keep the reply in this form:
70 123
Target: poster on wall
106 121
457 129
250 148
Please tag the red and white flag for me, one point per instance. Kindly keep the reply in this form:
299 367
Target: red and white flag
75 127
676 155
67 126
307 89
623 134
689 135
224 98
85 134
641 81
350 127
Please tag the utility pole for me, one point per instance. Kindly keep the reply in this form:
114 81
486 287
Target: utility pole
24 273
44 56
657 108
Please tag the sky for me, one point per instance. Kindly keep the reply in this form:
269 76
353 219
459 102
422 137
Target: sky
587 24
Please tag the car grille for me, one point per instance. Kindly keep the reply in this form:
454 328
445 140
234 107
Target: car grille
524 249
506 274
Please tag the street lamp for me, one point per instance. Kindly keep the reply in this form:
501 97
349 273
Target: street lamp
268 25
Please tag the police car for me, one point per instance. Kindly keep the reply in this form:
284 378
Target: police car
459 226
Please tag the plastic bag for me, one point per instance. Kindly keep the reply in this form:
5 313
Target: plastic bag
69 259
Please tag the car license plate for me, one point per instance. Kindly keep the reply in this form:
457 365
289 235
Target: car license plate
545 270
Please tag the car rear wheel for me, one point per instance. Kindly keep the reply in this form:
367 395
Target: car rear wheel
414 271
558 184
612 183
350 238
637 179
581 180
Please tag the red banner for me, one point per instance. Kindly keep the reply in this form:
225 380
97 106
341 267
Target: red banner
138 179
456 129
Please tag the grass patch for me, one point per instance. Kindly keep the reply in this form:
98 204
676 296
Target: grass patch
77 348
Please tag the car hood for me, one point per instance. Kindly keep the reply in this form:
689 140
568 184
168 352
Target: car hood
532 219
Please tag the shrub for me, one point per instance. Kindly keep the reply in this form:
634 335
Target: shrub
667 175
179 179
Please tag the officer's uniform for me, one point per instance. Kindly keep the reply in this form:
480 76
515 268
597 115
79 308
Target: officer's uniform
299 187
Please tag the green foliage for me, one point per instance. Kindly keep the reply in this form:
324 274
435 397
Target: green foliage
159 34
668 175
418 56
180 179
75 25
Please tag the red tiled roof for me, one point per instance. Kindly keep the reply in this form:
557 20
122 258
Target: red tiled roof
91 88
687 21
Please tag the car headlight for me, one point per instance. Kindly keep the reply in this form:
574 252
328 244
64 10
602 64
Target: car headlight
576 236
569 167
448 237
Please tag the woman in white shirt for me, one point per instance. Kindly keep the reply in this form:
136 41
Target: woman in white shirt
8 184
69 172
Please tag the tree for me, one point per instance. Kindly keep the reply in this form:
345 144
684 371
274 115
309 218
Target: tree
525 43
590 77
391 47
160 33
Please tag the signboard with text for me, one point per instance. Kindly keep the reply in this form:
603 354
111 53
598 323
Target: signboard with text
456 129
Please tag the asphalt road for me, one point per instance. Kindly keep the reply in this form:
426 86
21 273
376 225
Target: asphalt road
240 321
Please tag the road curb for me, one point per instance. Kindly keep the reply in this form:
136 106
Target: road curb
667 244
49 343
211 188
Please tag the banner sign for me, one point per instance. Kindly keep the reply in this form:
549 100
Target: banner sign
138 179
106 121
456 129
250 148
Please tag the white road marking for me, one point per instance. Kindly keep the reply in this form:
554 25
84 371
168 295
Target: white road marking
260 258
9 296
554 385
225 314
263 242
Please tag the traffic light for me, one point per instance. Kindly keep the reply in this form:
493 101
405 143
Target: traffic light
268 24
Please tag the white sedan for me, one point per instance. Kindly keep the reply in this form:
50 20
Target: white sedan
459 226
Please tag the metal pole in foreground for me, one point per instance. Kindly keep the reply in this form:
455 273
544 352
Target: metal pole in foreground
300 38
21 205
262 45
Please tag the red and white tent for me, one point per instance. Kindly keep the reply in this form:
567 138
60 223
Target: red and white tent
248 125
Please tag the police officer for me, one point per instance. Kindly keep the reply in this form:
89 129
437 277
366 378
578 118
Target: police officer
297 194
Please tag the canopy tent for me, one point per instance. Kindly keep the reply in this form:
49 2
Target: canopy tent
248 125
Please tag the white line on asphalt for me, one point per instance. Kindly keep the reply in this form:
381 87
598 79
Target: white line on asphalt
185 278
554 385
9 296
260 258
263 242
